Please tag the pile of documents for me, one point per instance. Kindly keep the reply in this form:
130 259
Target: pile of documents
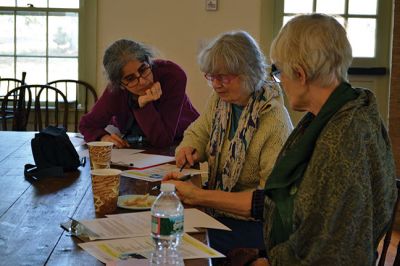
129 233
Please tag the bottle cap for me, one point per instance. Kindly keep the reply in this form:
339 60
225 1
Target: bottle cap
167 187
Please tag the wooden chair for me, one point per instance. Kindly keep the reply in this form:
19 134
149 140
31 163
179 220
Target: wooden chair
16 106
388 236
84 96
7 84
50 103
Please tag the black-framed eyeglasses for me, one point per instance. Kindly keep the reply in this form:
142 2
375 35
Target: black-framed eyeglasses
132 80
275 73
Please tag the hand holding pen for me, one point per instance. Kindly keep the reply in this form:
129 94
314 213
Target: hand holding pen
174 176
186 156
187 191
115 136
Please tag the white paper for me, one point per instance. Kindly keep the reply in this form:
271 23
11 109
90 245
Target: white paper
138 224
156 173
123 156
109 250
130 157
119 226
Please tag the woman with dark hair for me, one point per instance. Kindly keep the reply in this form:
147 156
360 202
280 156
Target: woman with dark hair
145 99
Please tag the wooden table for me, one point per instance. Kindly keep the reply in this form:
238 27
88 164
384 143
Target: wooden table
31 211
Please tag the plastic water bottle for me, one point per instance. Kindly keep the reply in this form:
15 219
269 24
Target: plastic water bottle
167 227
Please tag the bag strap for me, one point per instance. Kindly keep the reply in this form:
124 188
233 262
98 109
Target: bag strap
31 171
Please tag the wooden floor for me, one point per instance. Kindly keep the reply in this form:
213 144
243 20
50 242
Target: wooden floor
391 254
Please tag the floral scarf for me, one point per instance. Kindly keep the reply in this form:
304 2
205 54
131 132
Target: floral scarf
248 124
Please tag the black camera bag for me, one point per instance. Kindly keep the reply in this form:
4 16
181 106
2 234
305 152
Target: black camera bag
53 153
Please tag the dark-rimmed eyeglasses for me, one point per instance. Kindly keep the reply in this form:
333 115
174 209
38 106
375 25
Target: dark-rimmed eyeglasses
132 80
275 73
222 78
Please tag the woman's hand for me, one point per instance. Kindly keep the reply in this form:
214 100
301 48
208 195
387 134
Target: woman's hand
152 94
185 190
186 154
114 138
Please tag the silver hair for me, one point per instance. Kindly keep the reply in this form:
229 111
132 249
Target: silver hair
318 44
118 54
237 53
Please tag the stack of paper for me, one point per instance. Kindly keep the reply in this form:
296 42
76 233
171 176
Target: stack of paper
130 233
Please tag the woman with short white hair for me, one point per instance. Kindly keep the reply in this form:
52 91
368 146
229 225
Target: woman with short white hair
331 193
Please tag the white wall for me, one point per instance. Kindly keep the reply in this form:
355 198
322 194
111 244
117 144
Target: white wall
177 28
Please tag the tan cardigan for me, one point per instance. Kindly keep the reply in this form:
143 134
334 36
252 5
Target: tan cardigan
274 128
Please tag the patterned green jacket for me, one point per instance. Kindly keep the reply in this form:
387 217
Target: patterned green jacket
344 203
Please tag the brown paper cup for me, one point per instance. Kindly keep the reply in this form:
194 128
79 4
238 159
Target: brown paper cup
100 154
105 187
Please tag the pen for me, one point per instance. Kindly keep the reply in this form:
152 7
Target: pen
183 166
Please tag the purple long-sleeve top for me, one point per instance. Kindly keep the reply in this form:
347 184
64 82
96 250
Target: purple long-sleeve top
162 121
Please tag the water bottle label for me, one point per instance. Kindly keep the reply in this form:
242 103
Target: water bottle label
167 226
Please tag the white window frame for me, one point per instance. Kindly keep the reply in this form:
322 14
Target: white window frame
87 37
382 38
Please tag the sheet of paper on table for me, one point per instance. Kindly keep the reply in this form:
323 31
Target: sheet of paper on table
138 224
156 173
110 250
138 160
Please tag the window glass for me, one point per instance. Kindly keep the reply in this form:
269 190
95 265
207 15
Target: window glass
64 68
63 34
298 6
286 19
7 33
35 3
361 33
360 20
330 7
35 67
31 33
64 4
363 7
7 67
7 3
28 39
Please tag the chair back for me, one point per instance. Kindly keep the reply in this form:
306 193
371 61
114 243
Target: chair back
16 106
81 93
7 84
51 107
388 236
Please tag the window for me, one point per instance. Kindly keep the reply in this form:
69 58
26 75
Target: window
43 37
361 18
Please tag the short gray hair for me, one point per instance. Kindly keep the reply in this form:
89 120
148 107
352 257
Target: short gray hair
118 54
238 53
318 44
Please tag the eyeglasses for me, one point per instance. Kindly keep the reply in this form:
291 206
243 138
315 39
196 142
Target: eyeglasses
132 80
224 79
275 73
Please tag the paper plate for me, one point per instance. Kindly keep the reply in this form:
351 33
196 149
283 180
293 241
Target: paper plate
136 202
